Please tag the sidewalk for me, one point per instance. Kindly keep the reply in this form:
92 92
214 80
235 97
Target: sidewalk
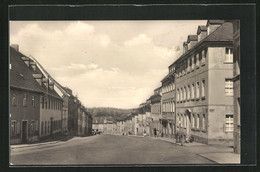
32 145
217 154
51 140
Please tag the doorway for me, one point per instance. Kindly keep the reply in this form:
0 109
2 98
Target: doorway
188 119
24 131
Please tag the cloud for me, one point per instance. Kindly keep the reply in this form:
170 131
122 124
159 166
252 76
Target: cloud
104 66
141 39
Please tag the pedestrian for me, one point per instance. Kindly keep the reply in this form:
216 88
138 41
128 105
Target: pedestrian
154 130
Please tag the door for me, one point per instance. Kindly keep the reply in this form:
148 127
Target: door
51 125
188 119
24 131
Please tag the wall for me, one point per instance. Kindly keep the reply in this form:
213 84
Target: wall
46 115
29 113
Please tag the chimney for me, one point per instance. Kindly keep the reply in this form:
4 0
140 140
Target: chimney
51 85
15 46
185 47
26 60
201 32
38 78
33 65
45 81
212 25
192 40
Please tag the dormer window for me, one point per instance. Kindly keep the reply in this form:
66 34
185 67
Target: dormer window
33 101
25 100
197 60
14 99
229 55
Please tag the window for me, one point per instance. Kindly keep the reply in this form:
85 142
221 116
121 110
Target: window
14 100
184 67
32 127
42 126
184 121
181 95
198 90
188 94
25 100
184 94
42 102
229 90
33 101
198 121
45 102
203 88
193 61
48 126
203 122
229 123
13 128
197 60
45 130
192 91
178 95
204 55
229 55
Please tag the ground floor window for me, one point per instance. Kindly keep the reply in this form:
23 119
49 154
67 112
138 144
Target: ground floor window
229 123
42 126
193 121
203 122
32 126
13 128
198 121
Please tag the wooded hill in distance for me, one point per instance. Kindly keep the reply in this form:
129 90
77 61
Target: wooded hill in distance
110 114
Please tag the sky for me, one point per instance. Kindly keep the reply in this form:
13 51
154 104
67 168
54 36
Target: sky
105 63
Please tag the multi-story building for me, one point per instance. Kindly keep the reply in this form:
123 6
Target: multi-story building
168 103
156 111
35 107
204 87
60 90
236 80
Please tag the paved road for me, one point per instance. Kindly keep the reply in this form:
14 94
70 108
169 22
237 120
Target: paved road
106 149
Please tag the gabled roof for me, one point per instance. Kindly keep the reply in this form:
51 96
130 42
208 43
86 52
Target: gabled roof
20 75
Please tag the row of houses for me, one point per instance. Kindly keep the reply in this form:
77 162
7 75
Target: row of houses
199 98
39 106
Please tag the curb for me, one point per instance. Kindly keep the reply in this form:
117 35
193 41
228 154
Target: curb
33 145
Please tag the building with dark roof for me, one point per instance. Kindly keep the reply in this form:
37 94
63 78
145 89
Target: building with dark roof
167 119
35 107
204 89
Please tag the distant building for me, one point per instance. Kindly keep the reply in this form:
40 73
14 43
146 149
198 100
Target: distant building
156 111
